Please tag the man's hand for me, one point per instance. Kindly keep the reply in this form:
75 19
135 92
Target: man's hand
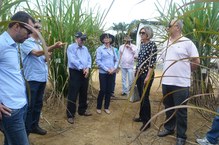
58 44
195 63
86 72
117 70
4 110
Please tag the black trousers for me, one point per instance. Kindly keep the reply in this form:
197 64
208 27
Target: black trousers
176 95
78 86
145 108
106 87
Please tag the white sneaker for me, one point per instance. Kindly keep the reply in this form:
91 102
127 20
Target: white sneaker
204 141
98 111
107 111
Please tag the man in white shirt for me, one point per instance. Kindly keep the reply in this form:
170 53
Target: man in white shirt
180 58
127 52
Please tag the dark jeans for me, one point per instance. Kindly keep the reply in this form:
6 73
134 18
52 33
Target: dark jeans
106 84
36 103
14 127
176 95
78 85
145 108
213 134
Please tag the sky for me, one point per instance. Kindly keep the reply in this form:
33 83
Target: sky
128 10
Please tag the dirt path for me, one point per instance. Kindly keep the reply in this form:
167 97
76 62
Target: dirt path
114 129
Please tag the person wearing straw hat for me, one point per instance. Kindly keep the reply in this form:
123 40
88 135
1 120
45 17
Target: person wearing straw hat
107 62
127 52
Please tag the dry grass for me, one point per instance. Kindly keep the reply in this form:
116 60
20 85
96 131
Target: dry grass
115 129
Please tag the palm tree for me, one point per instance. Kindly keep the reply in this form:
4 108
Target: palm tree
121 30
115 27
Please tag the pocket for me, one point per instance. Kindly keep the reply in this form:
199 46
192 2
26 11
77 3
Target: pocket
13 113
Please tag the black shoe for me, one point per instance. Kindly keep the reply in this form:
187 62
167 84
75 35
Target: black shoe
123 94
85 114
180 141
113 96
144 128
38 130
165 132
137 120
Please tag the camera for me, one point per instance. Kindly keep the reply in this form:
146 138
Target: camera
83 37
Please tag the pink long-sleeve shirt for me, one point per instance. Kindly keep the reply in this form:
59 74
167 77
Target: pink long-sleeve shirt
127 56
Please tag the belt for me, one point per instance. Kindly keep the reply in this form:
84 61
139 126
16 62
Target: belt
79 70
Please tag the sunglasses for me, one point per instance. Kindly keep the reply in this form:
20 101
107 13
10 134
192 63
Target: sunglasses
28 30
169 26
142 33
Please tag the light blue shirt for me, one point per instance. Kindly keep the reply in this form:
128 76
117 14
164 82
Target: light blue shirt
12 84
78 57
106 59
35 68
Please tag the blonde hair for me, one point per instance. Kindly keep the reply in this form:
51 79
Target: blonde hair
148 31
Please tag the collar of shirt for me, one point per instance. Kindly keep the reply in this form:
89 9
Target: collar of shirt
9 40
107 48
76 46
79 47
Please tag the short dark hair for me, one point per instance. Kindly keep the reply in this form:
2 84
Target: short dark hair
22 17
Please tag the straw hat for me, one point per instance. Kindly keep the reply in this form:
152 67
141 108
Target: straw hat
104 35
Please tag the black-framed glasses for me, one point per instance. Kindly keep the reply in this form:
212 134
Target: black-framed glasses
142 33
28 30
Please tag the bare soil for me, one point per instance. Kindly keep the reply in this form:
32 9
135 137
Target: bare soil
114 129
